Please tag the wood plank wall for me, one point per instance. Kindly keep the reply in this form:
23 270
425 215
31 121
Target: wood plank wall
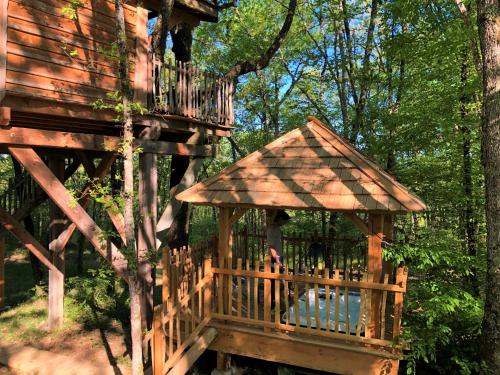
53 57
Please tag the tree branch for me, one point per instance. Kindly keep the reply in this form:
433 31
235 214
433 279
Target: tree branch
247 66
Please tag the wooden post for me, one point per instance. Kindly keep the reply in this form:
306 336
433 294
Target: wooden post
376 224
207 293
56 279
159 349
148 199
2 272
267 292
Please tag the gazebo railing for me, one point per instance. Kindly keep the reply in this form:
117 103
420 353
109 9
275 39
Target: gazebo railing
179 88
321 303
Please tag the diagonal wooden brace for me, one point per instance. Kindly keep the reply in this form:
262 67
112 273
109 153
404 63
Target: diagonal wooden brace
74 211
62 240
113 211
18 231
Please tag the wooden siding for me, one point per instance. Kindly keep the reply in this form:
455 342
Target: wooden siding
52 57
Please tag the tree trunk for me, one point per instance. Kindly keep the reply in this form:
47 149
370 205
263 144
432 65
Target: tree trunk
130 250
468 209
489 30
177 235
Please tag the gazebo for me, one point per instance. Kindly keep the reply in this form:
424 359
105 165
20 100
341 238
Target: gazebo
321 312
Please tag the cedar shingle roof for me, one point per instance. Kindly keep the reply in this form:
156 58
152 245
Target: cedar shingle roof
310 167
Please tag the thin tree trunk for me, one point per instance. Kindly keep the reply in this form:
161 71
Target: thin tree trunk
468 209
135 286
489 30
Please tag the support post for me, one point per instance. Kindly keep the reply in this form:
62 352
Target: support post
2 272
159 348
376 225
207 292
56 279
148 199
225 249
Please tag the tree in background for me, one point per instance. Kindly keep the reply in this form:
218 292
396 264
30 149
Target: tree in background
488 19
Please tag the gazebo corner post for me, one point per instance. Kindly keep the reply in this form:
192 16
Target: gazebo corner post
375 267
225 252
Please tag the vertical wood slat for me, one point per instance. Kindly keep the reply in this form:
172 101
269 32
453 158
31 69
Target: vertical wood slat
230 288
277 302
267 293
346 306
384 302
296 299
240 297
220 288
362 309
316 301
207 300
308 307
256 292
328 300
165 280
286 296
398 303
337 302
369 321
249 308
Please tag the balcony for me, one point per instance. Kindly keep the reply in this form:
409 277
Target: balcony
180 89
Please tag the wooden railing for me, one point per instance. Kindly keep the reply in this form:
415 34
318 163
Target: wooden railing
299 251
312 303
179 88
185 310
19 190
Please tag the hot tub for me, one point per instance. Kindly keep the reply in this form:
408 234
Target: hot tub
353 300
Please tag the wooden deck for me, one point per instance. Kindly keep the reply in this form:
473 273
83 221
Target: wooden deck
248 316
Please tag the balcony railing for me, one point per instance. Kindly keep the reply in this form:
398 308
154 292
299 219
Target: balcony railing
179 88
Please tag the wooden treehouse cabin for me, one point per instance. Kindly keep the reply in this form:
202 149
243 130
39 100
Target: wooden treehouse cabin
316 316
58 61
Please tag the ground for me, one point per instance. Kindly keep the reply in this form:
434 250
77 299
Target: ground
88 331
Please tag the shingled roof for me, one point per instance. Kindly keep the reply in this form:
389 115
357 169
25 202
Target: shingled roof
308 168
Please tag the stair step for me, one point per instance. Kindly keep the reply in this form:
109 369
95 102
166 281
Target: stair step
184 363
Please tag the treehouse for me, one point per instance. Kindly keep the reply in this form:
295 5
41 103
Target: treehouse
58 92
315 316
58 59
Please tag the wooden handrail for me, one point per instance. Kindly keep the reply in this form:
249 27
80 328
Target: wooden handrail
311 280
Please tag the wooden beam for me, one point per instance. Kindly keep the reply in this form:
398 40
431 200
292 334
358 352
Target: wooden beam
183 365
18 231
360 224
141 57
322 355
237 215
99 173
5 116
2 272
3 47
60 196
91 142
